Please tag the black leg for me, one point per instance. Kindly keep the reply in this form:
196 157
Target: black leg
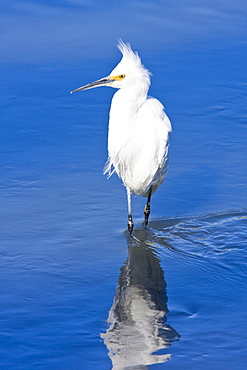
130 224
147 207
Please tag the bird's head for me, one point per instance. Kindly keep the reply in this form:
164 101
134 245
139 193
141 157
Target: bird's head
127 73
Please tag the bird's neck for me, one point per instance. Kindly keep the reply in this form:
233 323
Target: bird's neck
125 106
127 101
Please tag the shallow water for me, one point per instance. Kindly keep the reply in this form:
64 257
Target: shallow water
201 295
77 292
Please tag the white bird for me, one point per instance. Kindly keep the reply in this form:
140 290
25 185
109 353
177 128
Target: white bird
139 130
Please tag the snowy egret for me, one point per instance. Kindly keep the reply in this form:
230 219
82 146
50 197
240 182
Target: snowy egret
139 130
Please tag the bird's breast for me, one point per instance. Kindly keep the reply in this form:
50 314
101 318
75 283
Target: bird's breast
137 147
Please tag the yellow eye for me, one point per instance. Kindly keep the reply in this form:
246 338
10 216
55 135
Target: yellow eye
117 78
120 77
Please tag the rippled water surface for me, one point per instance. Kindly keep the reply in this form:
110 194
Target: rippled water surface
76 291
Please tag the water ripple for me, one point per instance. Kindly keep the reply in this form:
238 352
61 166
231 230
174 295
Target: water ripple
204 236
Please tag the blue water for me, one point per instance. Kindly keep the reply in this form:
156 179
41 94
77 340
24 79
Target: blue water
76 292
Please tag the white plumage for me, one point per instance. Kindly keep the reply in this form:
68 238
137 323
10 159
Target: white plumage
138 136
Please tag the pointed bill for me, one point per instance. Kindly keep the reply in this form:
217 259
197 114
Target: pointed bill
106 81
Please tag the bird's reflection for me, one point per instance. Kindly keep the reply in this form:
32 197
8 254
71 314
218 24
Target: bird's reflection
137 317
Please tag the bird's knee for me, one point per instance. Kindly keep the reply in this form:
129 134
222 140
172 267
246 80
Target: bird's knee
146 213
147 209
